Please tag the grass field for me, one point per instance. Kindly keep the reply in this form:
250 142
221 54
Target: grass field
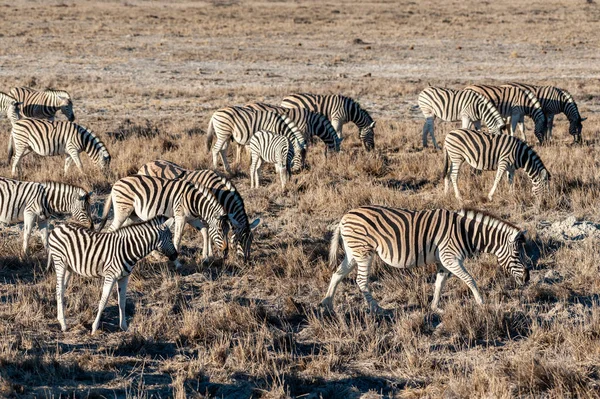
146 76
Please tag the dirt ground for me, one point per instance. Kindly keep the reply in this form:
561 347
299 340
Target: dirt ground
146 77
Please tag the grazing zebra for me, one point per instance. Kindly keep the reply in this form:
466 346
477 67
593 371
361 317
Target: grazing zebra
10 105
239 124
269 147
144 197
514 103
492 152
44 104
28 202
404 238
457 105
56 138
112 256
555 101
309 123
339 110
222 188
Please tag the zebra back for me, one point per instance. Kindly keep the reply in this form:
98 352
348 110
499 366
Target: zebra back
44 104
10 105
273 148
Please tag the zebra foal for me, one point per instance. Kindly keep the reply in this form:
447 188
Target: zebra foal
225 192
112 256
339 110
28 202
268 147
404 238
484 151
44 104
457 105
56 138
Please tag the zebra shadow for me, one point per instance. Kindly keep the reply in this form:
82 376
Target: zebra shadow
411 184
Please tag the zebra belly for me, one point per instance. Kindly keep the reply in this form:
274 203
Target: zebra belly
407 261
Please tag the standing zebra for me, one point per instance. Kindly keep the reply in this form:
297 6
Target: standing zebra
555 101
309 123
10 105
144 197
492 152
112 256
28 202
404 239
222 188
269 147
339 110
44 104
457 105
514 103
239 124
56 138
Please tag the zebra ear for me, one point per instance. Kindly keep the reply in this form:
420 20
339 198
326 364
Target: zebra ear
372 125
233 222
544 174
254 224
582 119
169 223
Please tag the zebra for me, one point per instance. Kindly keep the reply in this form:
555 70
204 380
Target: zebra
56 138
140 197
555 101
269 147
454 105
492 152
514 103
406 238
10 105
309 123
44 104
239 124
339 110
28 202
222 188
74 249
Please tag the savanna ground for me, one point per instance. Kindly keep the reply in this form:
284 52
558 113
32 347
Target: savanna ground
146 76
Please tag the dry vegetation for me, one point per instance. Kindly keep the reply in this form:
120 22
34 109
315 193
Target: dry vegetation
146 76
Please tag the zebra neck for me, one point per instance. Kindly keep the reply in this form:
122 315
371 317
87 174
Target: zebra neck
137 244
529 161
485 233
58 197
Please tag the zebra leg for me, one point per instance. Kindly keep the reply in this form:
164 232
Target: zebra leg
43 230
427 129
29 220
521 125
456 267
206 247
220 148
362 279
253 171
510 174
16 164
550 121
122 290
502 166
440 282
60 293
109 283
68 162
257 172
454 168
337 125
177 233
342 271
74 155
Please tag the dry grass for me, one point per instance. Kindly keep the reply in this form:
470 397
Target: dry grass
145 76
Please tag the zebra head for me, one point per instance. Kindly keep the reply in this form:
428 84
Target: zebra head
242 237
575 128
218 230
512 257
164 242
66 106
541 183
541 128
80 208
367 136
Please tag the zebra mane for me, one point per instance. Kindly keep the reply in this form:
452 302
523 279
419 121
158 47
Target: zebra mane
58 184
155 221
488 219
567 95
6 98
58 93
84 131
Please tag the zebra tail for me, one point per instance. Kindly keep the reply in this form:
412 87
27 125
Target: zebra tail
210 132
446 164
11 149
333 249
49 262
105 211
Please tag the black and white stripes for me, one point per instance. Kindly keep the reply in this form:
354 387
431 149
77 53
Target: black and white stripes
339 110
10 106
492 152
404 239
56 138
29 202
44 104
457 105
74 249
222 188
239 124
269 147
